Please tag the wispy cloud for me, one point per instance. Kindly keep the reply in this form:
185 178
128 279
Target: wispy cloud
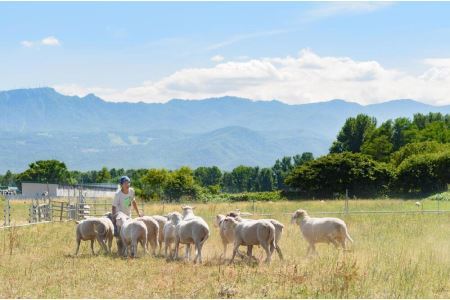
242 37
50 41
217 58
343 8
27 44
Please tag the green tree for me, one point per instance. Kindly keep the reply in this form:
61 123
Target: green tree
103 176
334 173
9 179
154 183
417 148
47 171
181 183
303 158
424 173
353 134
208 176
266 180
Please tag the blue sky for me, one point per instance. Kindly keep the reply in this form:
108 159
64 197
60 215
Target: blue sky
296 52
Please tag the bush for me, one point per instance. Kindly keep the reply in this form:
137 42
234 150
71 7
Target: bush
424 173
334 173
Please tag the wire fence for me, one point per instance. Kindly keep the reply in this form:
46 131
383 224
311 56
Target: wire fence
43 210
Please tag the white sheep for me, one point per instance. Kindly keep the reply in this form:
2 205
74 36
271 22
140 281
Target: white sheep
169 234
131 232
152 232
250 233
226 234
278 229
190 230
94 229
162 220
109 224
321 230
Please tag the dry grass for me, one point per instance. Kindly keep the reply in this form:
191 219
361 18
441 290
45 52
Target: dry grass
394 256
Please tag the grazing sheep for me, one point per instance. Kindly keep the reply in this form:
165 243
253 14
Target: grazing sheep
169 233
93 229
110 235
152 231
321 230
252 232
190 230
131 232
418 204
278 229
162 220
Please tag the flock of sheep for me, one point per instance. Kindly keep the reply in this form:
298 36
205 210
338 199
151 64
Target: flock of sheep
187 228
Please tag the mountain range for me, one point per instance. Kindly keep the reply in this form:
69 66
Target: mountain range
88 132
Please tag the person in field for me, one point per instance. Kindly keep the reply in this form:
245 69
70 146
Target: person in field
123 201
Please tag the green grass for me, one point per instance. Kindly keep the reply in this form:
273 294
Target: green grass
394 256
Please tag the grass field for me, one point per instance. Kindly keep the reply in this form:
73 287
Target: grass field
394 256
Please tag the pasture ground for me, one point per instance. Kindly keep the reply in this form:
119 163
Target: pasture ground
394 256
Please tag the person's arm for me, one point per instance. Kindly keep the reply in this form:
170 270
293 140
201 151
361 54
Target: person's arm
114 209
136 208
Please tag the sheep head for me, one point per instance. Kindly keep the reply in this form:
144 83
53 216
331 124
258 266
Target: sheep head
230 222
298 215
219 218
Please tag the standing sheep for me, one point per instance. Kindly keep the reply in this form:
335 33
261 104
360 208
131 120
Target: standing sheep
252 232
131 232
152 231
278 229
93 229
321 230
170 233
162 220
192 230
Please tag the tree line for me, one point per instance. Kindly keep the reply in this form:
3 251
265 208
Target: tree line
400 157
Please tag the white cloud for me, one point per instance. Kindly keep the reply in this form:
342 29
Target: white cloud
304 78
50 41
217 58
27 44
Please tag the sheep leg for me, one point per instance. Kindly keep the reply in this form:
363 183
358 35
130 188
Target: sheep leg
134 246
92 247
268 252
198 257
102 243
224 250
187 253
280 254
167 246
143 244
154 245
177 246
235 249
110 238
78 246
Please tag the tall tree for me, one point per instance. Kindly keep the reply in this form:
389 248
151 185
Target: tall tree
353 134
103 176
47 171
